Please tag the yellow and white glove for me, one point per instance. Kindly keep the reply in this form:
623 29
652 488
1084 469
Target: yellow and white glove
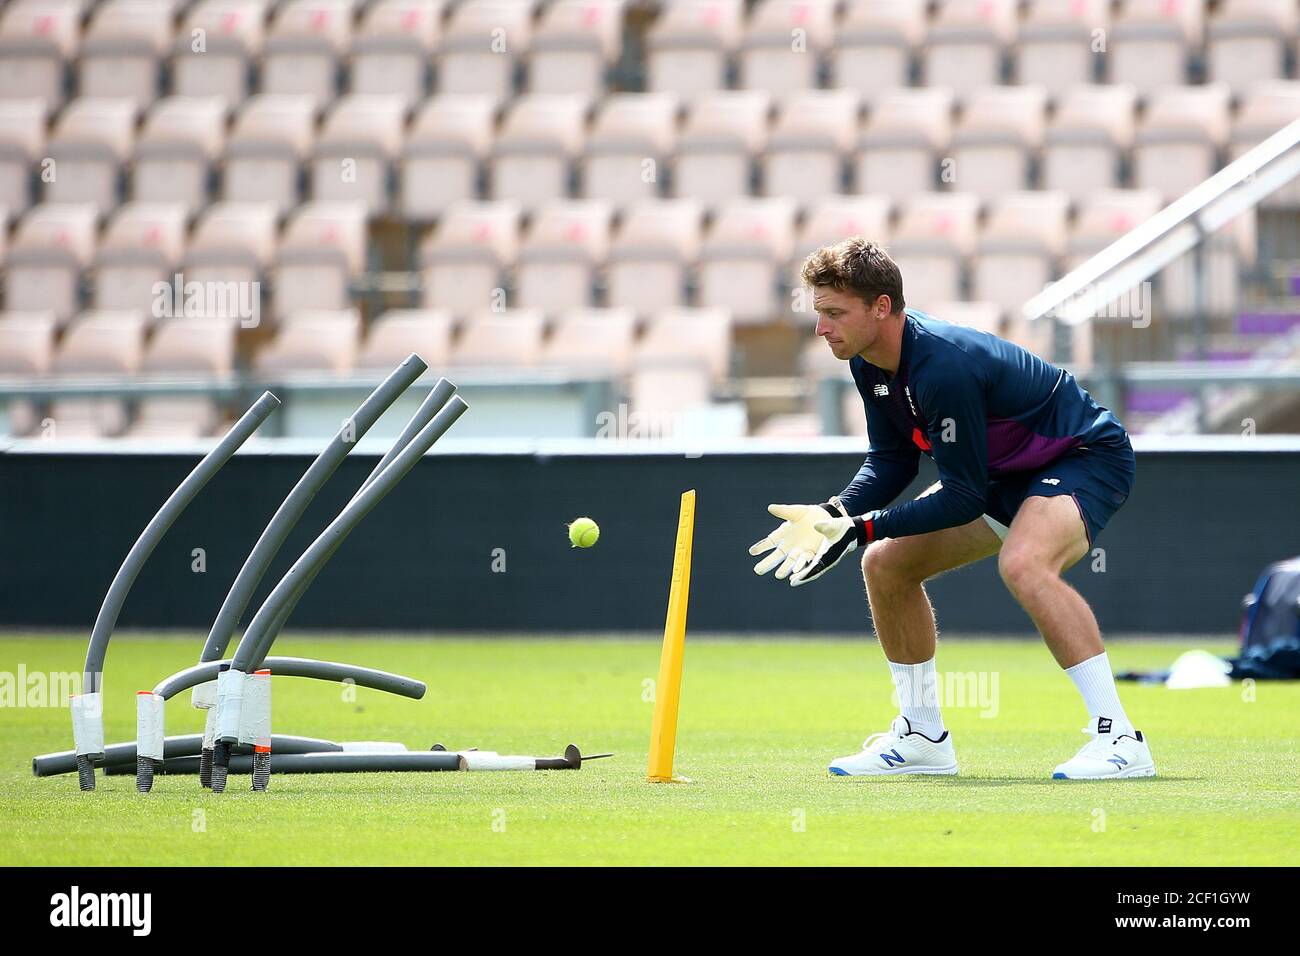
796 542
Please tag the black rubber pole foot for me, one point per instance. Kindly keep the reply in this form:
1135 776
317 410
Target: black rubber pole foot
85 772
220 766
144 774
205 768
261 771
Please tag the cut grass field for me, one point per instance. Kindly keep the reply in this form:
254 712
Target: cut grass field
759 722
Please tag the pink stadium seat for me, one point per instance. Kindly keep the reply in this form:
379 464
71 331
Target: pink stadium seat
1178 144
122 47
509 338
814 133
700 336
353 155
91 140
998 138
906 131
1061 43
463 261
232 243
783 45
1090 135
743 261
313 341
322 249
574 42
657 243
592 338
37 39
1266 108
195 345
393 48
934 238
27 343
483 42
141 247
565 245
303 48
1019 248
22 142
716 149
539 139
174 417
228 35
627 151
1152 41
181 140
399 332
967 42
662 395
688 47
102 343
1247 42
269 141
53 245
874 44
440 161
1105 216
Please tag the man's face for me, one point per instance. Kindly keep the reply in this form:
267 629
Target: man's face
848 324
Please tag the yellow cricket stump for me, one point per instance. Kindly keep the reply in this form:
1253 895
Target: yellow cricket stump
663 731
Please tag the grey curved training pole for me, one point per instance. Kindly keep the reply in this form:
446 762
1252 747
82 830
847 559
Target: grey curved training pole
397 684
256 640
438 396
299 497
91 717
184 745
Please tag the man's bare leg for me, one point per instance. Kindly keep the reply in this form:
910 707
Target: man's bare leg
895 570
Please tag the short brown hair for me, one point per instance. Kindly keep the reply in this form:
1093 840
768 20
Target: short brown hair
856 265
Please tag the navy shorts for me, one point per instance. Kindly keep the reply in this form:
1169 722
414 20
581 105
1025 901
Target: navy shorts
1098 478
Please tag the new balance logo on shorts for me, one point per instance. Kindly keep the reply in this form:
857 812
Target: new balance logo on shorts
1051 481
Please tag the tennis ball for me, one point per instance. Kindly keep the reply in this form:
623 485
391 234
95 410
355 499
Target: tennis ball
584 532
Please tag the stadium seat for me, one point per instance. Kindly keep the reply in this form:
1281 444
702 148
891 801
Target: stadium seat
353 155
656 244
809 145
1103 217
121 49
874 44
967 43
232 243
214 48
181 140
270 139
981 316
393 48
628 148
933 239
1088 140
996 143
197 345
1019 248
304 47
27 343
1178 144
99 343
742 262
322 249
397 333
509 338
574 42
662 395
1060 43
22 142
91 140
1152 41
1266 108
312 341
689 335
481 47
905 132
540 137
53 245
37 39
783 44
689 46
174 417
1247 41
602 339
462 261
828 221
715 152
141 247
444 148
558 258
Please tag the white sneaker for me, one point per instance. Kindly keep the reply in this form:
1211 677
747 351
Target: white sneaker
1115 751
900 750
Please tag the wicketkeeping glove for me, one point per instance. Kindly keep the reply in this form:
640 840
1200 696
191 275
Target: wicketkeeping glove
839 536
795 543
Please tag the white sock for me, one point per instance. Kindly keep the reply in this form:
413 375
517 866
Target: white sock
1096 683
918 696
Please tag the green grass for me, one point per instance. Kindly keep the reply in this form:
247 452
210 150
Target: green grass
759 722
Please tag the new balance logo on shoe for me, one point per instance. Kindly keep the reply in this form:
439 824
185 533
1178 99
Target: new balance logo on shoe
893 758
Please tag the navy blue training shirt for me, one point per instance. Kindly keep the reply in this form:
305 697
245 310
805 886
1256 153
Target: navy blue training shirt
982 407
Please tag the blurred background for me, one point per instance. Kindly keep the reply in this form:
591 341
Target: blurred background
591 213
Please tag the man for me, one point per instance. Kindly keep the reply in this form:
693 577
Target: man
1030 469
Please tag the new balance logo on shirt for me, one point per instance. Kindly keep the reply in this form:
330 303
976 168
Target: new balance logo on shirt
882 391
1051 481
